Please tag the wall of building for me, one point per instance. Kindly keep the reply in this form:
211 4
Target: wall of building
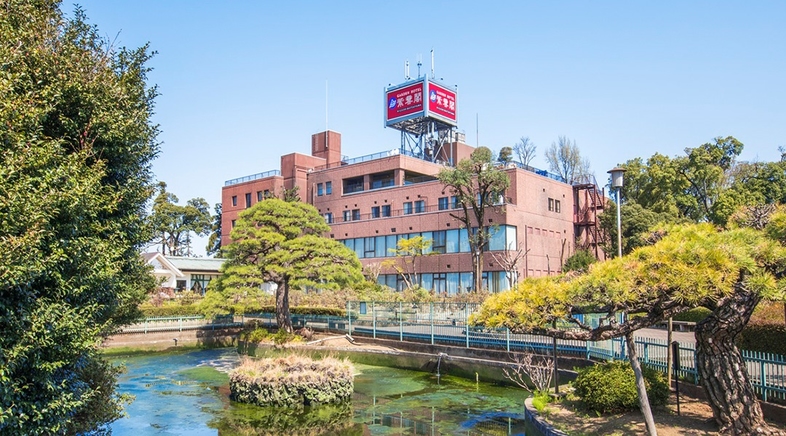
391 194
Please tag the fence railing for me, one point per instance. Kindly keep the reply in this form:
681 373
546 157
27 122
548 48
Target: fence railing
446 324
180 323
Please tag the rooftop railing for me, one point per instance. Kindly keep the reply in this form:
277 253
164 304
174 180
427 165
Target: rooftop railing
256 176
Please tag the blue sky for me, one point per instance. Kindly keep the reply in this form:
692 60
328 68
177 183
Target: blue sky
242 83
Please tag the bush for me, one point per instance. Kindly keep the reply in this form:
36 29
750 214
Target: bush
611 387
766 338
696 314
292 381
171 308
257 335
580 261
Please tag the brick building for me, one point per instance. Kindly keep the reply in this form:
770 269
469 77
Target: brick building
371 202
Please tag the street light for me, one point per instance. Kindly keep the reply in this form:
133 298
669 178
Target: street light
616 182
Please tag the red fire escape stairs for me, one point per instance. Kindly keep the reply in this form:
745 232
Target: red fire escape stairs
588 202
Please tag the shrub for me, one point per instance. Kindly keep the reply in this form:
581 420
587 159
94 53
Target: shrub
766 338
257 335
540 400
611 387
292 381
580 261
696 314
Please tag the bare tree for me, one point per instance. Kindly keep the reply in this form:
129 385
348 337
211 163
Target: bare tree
509 259
525 150
536 369
565 160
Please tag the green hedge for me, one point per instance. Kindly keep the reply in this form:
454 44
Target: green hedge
610 387
195 309
296 310
693 315
767 338
170 310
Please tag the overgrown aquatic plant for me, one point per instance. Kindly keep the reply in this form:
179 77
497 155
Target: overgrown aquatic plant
292 381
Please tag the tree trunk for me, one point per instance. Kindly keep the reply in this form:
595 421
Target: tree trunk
721 368
641 386
283 319
477 268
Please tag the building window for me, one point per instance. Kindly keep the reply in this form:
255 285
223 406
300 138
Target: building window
386 210
375 212
329 217
557 206
369 247
234 200
180 285
551 205
408 208
248 200
354 184
439 283
233 224
443 203
382 180
439 242
260 196
454 202
319 189
420 206
355 214
199 283
347 216
267 193
328 188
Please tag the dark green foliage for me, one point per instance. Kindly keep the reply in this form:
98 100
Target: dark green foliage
765 338
610 387
693 315
580 261
197 309
76 144
173 224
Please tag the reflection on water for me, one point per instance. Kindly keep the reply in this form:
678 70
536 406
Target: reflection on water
187 394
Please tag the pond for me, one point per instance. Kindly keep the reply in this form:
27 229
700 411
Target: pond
188 394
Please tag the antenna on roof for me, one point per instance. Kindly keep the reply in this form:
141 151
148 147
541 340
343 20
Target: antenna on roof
432 63
406 70
420 63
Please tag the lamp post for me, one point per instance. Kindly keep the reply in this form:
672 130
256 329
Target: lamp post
616 182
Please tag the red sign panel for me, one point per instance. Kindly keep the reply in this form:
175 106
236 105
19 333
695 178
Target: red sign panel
405 101
442 101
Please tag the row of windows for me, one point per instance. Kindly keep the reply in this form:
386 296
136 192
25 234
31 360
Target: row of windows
383 211
261 195
449 283
442 241
327 191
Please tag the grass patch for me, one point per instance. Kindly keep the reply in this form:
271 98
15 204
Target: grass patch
207 375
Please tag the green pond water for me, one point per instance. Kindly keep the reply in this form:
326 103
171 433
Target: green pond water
188 394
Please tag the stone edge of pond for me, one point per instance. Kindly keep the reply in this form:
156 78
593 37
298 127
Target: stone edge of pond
533 417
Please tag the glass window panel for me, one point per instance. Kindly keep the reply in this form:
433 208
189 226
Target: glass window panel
465 281
452 283
463 241
386 210
452 241
350 243
497 238
328 188
427 237
359 247
511 238
380 249
390 243
427 281
408 208
319 190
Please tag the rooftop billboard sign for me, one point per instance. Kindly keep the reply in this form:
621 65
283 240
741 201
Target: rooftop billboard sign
422 99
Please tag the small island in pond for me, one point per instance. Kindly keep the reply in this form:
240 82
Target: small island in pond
292 381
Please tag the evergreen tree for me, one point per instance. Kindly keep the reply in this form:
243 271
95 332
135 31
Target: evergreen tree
76 145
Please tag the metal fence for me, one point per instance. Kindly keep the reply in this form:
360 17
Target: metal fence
180 323
446 324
